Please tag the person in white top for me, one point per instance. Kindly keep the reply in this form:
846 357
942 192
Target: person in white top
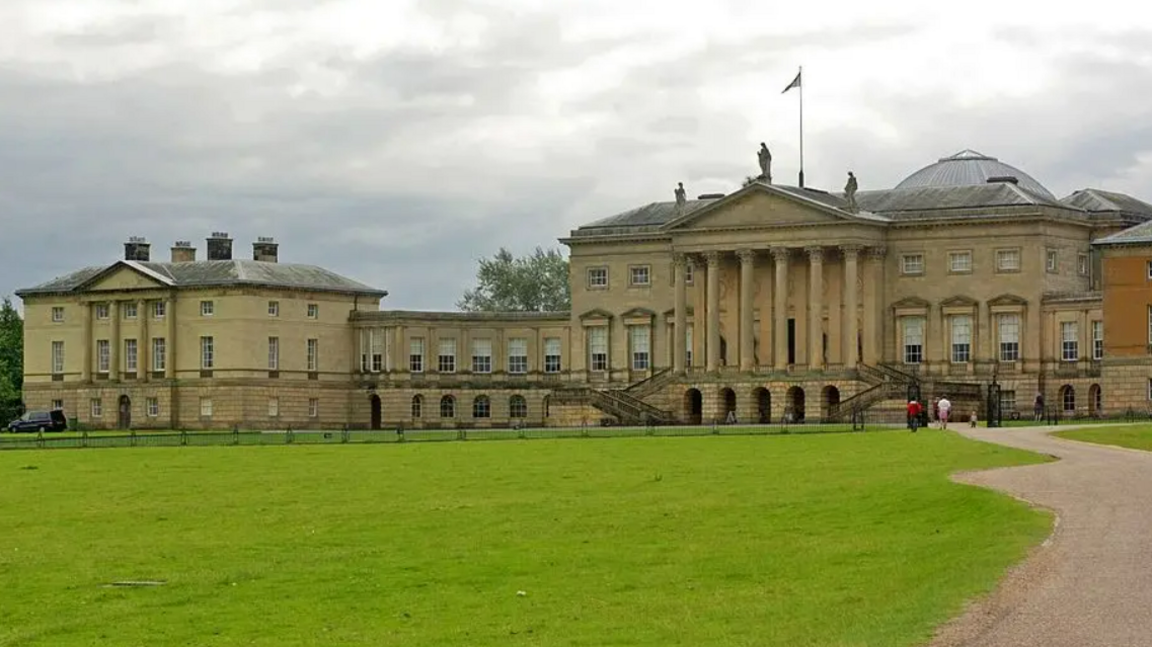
945 409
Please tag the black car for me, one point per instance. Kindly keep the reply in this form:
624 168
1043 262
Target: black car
54 420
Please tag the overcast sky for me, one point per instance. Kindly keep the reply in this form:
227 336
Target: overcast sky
397 141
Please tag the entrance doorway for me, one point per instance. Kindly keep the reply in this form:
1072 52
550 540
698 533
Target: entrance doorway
694 406
728 397
763 404
794 399
376 412
791 341
124 413
831 401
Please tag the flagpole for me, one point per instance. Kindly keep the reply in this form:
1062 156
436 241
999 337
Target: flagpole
801 77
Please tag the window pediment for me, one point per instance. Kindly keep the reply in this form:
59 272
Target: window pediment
1008 300
911 303
959 301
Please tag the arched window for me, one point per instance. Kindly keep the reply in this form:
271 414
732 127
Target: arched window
481 407
1068 398
517 407
447 407
417 406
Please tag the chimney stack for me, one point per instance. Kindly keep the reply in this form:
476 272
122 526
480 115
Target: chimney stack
265 249
136 249
183 252
219 246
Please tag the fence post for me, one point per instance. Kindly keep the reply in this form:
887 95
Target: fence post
235 434
132 437
344 434
84 438
288 435
715 428
183 437
40 439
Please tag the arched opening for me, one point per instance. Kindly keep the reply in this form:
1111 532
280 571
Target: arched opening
727 405
763 400
447 407
794 404
1095 400
417 407
124 413
1068 399
481 407
694 406
830 403
517 407
374 402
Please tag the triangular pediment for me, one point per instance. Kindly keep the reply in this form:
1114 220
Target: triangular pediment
671 312
638 313
763 205
596 313
124 276
911 302
959 301
1008 300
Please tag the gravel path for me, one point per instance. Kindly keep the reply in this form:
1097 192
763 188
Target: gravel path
1090 584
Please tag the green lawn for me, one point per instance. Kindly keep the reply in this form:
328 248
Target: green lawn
846 540
1134 436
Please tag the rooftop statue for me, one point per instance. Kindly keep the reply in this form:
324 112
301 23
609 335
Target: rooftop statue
765 157
681 197
850 192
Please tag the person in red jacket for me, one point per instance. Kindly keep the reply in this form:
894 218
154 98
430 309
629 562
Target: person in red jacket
914 410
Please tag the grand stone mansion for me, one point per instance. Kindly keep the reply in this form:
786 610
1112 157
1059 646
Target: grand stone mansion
770 301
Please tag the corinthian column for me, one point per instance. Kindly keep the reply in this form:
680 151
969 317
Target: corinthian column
780 308
874 291
680 324
747 340
713 359
815 307
852 330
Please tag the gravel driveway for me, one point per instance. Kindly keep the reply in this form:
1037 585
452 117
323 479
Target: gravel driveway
1090 584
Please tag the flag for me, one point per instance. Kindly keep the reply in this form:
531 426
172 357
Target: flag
794 84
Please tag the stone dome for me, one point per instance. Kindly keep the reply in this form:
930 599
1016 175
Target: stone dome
968 168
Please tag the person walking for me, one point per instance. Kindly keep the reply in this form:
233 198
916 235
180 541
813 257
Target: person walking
914 410
945 408
1038 407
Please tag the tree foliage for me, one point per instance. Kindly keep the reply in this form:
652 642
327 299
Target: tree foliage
534 283
11 361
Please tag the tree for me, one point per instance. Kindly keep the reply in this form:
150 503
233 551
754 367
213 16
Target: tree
534 283
11 361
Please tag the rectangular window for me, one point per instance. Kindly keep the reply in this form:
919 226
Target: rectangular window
912 264
1069 341
130 311
481 355
313 355
688 351
1149 267
598 277
641 347
688 272
273 308
416 355
1007 402
131 355
375 347
551 354
913 340
446 361
103 356
101 310
273 407
273 353
598 348
97 408
961 339
207 353
1097 340
313 407
518 355
159 309
1009 329
1082 266
1051 262
1007 260
313 311
57 405
152 407
205 407
57 314
640 275
159 351
960 262
207 308
57 357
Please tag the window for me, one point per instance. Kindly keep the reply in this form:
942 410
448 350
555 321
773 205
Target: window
517 355
1082 267
1097 340
961 339
1009 327
551 354
57 404
101 310
640 275
273 308
640 338
159 350
205 407
912 264
159 309
103 357
481 407
416 355
97 408
313 311
1149 269
207 353
57 357
1007 260
447 407
1150 328
152 407
598 277
1051 262
481 355
375 346
688 271
273 407
313 407
598 348
517 407
1068 398
1069 341
1007 401
446 361
130 311
960 262
207 308
131 355
913 340
313 347
57 314
417 406
1150 388
273 353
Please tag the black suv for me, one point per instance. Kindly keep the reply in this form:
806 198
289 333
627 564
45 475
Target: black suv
54 420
